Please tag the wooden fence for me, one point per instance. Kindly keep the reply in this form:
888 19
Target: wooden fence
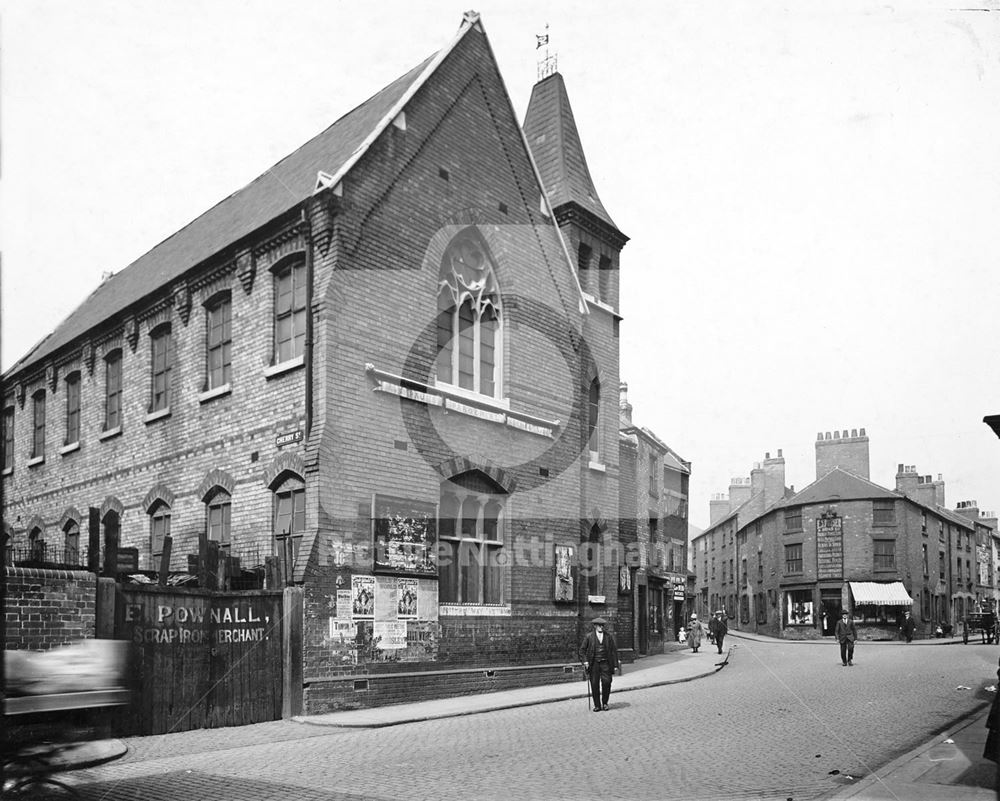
201 658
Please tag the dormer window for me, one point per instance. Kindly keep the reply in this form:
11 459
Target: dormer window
469 328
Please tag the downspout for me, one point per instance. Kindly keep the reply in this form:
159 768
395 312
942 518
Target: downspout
306 228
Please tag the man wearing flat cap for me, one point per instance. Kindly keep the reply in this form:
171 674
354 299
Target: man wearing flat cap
600 659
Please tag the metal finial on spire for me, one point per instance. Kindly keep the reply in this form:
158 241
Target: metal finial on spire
548 65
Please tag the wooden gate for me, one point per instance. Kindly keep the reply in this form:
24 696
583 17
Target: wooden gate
199 658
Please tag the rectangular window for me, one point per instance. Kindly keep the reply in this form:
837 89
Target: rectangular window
594 414
941 565
793 519
470 564
604 276
160 366
159 527
799 608
723 571
72 409
923 523
219 522
885 554
113 391
289 524
289 312
654 487
38 425
760 566
219 346
8 438
883 512
940 531
958 569
923 555
793 558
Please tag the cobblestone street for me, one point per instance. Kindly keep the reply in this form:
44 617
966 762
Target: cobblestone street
781 721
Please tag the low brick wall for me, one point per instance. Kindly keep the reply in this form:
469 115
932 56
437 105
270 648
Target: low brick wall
48 608
362 691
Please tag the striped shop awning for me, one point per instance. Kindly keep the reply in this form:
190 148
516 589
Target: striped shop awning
888 593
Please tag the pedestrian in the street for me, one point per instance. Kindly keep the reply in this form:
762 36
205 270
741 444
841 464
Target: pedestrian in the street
600 660
846 635
718 629
909 626
992 749
696 630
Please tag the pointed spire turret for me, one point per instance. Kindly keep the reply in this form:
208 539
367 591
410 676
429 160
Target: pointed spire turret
555 144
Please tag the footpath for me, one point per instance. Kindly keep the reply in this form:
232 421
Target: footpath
949 766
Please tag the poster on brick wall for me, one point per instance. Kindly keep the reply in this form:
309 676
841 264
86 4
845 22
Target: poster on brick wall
427 599
344 601
405 536
363 596
407 592
390 634
385 598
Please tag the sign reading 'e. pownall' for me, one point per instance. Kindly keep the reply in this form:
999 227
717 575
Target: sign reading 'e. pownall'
829 548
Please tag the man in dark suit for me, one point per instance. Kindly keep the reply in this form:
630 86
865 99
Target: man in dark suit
718 629
846 635
600 659
909 626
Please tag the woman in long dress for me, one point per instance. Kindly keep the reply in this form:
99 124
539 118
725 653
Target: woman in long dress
695 632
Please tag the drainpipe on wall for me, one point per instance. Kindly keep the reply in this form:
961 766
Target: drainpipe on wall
308 345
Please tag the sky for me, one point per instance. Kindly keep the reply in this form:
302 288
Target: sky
811 190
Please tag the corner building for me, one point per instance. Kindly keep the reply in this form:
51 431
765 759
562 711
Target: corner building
787 563
388 368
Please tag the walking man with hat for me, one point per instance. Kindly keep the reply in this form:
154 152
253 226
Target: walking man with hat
846 635
718 628
600 659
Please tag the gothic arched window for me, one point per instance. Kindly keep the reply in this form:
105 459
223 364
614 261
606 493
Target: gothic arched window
470 341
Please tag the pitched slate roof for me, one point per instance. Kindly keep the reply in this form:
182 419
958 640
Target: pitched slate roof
274 193
838 485
555 143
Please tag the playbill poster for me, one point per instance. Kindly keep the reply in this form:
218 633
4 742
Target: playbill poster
391 634
363 596
344 611
405 536
385 597
406 598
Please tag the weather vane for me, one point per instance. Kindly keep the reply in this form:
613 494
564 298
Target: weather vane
548 65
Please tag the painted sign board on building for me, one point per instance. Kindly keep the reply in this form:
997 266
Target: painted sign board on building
829 548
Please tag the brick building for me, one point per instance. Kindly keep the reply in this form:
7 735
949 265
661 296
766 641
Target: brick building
654 517
389 365
786 563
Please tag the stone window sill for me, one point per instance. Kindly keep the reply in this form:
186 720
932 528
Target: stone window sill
284 367
110 433
37 460
217 392
160 414
73 446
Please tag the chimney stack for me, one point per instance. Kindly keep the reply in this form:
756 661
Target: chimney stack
847 450
624 407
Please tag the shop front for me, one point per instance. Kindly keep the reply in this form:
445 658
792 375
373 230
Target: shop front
878 608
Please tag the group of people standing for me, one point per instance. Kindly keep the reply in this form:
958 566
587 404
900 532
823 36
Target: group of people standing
716 630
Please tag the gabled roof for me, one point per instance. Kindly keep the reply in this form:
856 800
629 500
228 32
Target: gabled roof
555 143
838 485
278 191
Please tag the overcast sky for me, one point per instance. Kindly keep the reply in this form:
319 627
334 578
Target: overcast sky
812 193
